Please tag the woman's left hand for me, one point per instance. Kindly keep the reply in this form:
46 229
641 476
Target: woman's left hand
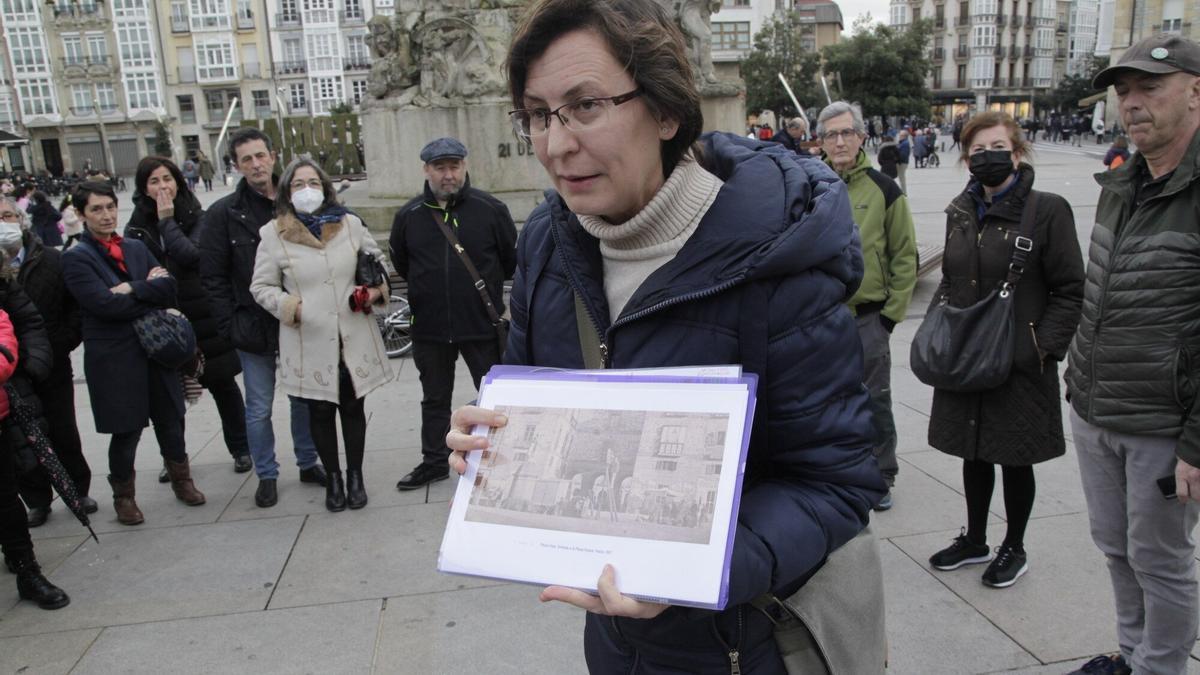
374 295
158 273
609 602
166 208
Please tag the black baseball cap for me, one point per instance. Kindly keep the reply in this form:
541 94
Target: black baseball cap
1159 54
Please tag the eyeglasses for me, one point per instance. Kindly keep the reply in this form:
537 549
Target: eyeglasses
844 134
315 183
582 115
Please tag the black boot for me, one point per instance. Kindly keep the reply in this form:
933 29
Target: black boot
31 585
356 492
335 492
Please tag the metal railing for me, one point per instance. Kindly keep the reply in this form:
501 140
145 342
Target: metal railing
939 53
291 67
287 20
245 22
251 71
180 24
356 63
85 61
1001 19
962 53
353 16
963 21
998 50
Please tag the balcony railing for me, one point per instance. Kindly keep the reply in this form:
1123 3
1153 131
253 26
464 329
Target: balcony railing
998 50
353 16
939 22
180 24
78 11
962 53
963 21
939 54
356 63
1016 82
1028 52
1017 21
245 22
1014 52
262 113
298 108
287 19
1062 27
291 67
960 83
1060 53
89 111
252 71
1001 19
84 61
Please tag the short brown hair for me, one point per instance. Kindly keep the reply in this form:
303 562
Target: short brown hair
640 35
990 119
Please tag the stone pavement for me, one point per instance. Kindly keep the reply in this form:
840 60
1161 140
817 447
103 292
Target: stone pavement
228 587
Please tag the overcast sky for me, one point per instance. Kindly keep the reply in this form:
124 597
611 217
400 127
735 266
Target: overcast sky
851 9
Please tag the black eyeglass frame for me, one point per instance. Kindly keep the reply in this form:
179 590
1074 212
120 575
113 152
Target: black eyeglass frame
616 101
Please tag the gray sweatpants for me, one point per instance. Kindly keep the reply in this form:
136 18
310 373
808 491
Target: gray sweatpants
1147 540
877 375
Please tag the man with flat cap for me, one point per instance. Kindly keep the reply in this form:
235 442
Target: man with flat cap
1135 361
454 245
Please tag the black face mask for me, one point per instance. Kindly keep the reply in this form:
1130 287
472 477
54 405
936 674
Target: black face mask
991 167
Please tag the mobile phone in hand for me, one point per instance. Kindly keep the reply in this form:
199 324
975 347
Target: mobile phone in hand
1166 485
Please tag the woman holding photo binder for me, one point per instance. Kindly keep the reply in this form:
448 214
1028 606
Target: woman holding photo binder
658 250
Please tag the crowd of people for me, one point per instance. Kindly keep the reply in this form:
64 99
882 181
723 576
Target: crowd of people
804 256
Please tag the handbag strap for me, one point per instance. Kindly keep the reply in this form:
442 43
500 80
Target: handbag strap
480 286
1022 246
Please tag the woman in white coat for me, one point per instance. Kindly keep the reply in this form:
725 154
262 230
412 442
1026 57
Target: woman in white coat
330 351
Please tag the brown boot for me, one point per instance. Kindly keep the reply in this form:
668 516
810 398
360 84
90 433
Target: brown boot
181 483
127 509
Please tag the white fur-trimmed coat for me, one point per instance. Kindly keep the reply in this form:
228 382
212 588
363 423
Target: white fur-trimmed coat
294 269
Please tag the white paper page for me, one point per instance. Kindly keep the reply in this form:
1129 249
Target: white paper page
650 525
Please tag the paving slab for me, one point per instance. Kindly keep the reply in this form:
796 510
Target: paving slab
912 429
497 630
157 501
1060 609
930 630
1193 667
338 638
923 504
1059 491
381 470
164 573
48 654
50 554
372 553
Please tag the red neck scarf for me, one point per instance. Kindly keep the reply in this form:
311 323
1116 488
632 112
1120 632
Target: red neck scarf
113 248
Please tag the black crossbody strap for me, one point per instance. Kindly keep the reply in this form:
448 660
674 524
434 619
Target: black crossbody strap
448 231
1023 245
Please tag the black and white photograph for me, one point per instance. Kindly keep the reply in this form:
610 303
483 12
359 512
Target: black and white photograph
625 473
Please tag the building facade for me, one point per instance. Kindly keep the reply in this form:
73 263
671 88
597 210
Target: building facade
1082 33
320 51
82 83
990 54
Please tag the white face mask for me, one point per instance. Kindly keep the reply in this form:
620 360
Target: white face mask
10 235
307 200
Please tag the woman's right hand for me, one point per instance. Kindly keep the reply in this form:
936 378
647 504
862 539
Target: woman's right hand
166 208
460 441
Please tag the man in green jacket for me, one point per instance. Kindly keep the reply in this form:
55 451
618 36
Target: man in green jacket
889 248
1135 360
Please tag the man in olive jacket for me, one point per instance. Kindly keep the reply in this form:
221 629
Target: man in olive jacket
889 246
1135 360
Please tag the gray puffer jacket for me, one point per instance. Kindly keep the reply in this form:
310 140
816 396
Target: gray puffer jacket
1135 361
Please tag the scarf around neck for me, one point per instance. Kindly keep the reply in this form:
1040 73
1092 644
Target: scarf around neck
315 221
112 247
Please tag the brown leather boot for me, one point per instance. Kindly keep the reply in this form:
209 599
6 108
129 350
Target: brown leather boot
181 483
127 509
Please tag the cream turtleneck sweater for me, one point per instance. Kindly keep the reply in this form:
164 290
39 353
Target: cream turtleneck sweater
634 249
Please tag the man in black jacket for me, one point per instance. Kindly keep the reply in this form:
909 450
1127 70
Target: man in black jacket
38 269
229 241
449 316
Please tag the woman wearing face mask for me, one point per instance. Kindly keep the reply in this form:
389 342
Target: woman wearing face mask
167 219
1019 423
330 350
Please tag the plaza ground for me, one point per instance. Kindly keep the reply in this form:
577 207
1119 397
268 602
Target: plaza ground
228 587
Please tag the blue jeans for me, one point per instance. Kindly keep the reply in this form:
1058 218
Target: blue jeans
258 375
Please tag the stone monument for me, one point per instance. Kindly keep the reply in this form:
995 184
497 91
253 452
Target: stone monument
438 71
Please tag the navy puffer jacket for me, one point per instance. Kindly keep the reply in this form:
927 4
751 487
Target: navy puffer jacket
762 282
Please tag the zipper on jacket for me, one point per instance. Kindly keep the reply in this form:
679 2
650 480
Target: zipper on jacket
734 653
1036 349
575 284
1112 255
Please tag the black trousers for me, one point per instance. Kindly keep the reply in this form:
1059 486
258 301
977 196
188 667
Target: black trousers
322 423
168 429
435 364
14 529
232 409
58 406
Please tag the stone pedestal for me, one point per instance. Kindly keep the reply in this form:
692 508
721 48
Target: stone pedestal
724 113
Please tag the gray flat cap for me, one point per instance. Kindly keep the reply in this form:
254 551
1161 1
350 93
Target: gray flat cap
443 148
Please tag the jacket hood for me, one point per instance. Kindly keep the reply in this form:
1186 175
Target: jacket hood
777 215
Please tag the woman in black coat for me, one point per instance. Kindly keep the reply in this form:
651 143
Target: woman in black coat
117 280
1019 423
166 218
45 220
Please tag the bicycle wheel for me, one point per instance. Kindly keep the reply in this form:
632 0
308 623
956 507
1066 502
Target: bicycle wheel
395 326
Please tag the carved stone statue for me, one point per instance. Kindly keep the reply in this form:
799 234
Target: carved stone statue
393 70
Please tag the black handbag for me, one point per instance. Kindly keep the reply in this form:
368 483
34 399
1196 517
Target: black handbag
970 349
369 270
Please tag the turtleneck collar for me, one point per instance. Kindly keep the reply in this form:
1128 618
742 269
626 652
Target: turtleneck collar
664 224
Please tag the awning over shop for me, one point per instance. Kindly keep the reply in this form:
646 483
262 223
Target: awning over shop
7 138
1093 99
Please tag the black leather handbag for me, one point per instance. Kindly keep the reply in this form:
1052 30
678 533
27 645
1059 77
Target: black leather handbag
369 271
971 349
